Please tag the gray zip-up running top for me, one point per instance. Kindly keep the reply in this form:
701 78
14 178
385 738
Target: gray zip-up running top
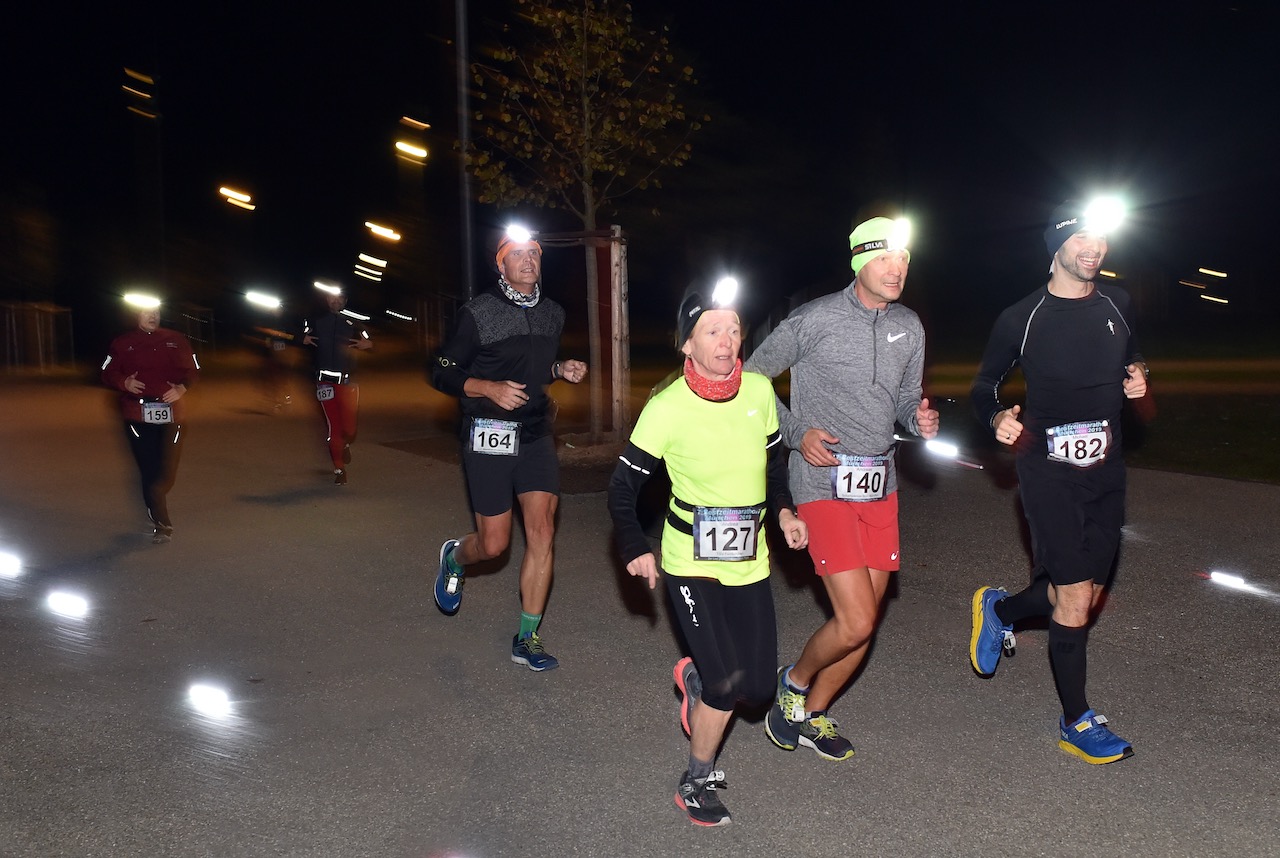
854 371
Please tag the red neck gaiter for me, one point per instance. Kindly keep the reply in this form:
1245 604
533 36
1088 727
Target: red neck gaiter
715 391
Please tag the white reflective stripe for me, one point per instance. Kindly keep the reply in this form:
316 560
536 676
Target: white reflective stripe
178 433
632 465
1027 332
107 361
135 432
773 442
196 360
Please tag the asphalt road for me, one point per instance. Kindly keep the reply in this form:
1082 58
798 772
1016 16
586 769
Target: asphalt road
366 723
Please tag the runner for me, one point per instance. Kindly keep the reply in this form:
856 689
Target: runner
716 428
498 362
1074 340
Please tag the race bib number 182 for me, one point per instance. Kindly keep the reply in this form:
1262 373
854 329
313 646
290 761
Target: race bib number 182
1080 444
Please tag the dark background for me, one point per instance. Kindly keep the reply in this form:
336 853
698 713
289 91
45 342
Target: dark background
974 121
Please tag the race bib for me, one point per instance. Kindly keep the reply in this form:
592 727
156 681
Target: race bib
324 392
1080 444
495 437
858 478
157 412
725 532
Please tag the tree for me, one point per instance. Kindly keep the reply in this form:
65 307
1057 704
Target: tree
585 111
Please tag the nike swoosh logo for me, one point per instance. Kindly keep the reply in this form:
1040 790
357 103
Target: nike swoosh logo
753 412
893 338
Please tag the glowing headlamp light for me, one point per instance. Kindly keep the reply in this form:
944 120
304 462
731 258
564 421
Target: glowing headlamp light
1103 215
328 288
518 234
724 293
898 239
139 301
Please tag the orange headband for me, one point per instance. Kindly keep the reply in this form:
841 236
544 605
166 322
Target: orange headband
507 245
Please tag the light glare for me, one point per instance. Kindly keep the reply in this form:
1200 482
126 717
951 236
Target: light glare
141 301
262 299
68 604
328 288
519 234
1103 215
209 700
725 291
1211 272
10 565
899 235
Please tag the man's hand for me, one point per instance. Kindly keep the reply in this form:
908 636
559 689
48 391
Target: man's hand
363 343
1135 386
645 566
1007 427
309 340
507 395
134 386
573 371
795 530
174 393
813 448
927 419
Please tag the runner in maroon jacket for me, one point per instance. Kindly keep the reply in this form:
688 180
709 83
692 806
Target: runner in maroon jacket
152 367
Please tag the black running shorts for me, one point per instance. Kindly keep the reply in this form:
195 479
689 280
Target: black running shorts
494 481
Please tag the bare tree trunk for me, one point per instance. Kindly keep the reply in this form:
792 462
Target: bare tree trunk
594 377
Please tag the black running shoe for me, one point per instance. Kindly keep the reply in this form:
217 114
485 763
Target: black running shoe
698 799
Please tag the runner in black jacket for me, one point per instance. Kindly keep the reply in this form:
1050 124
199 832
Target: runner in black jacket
1074 341
498 361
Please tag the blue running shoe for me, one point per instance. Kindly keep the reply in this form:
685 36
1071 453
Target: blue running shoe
529 651
990 637
690 685
822 734
448 582
1090 740
778 724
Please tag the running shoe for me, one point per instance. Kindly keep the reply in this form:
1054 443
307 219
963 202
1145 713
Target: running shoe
690 685
162 534
780 731
448 582
990 637
1091 740
529 651
346 454
822 734
339 477
698 799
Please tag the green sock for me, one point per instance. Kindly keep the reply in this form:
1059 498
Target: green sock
529 623
454 566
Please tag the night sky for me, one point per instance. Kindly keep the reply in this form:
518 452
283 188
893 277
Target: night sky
973 120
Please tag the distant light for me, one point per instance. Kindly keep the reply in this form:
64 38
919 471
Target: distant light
382 231
725 291
375 278
942 448
262 299
372 260
519 234
1105 273
410 149
139 76
209 700
245 206
232 194
68 604
1193 284
1215 299
353 314
136 92
1103 215
138 110
1211 272
375 272
416 124
10 565
328 288
142 301
402 316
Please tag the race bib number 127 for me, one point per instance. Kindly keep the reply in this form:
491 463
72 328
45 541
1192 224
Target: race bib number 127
725 533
